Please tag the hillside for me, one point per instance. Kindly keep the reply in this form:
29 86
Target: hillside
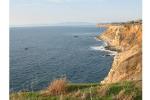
126 38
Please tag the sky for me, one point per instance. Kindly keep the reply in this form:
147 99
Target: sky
49 12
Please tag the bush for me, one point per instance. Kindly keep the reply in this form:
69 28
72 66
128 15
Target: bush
57 87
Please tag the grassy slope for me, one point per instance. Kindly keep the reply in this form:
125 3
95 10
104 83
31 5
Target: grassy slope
129 90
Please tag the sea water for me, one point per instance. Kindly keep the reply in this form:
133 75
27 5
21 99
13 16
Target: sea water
39 55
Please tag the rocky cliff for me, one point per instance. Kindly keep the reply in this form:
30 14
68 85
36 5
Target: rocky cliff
126 38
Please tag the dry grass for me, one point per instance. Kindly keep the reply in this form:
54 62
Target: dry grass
85 96
77 94
57 87
123 96
103 90
58 90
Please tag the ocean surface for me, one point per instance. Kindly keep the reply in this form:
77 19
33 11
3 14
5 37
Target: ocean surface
39 55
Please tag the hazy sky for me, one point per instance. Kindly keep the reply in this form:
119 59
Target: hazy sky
39 12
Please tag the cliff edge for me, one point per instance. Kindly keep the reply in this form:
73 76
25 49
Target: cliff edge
126 38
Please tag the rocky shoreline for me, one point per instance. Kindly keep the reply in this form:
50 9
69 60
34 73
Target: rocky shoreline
126 39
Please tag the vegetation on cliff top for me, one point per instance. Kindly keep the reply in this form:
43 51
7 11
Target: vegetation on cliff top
127 90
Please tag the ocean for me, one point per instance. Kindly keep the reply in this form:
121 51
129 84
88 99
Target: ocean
39 55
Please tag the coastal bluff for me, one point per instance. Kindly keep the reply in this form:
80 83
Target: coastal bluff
126 38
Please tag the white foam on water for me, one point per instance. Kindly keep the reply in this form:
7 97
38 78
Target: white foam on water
97 48
97 39
102 48
111 52
105 44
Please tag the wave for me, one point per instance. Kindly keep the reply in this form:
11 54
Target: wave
97 48
97 39
102 48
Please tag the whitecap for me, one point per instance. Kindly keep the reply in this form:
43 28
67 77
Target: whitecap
97 39
102 48
112 53
97 48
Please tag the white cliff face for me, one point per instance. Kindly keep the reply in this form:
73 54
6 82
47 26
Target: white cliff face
127 64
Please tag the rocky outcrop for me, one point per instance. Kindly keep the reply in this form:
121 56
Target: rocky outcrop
127 39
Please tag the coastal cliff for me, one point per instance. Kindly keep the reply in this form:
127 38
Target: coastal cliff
126 38
124 77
